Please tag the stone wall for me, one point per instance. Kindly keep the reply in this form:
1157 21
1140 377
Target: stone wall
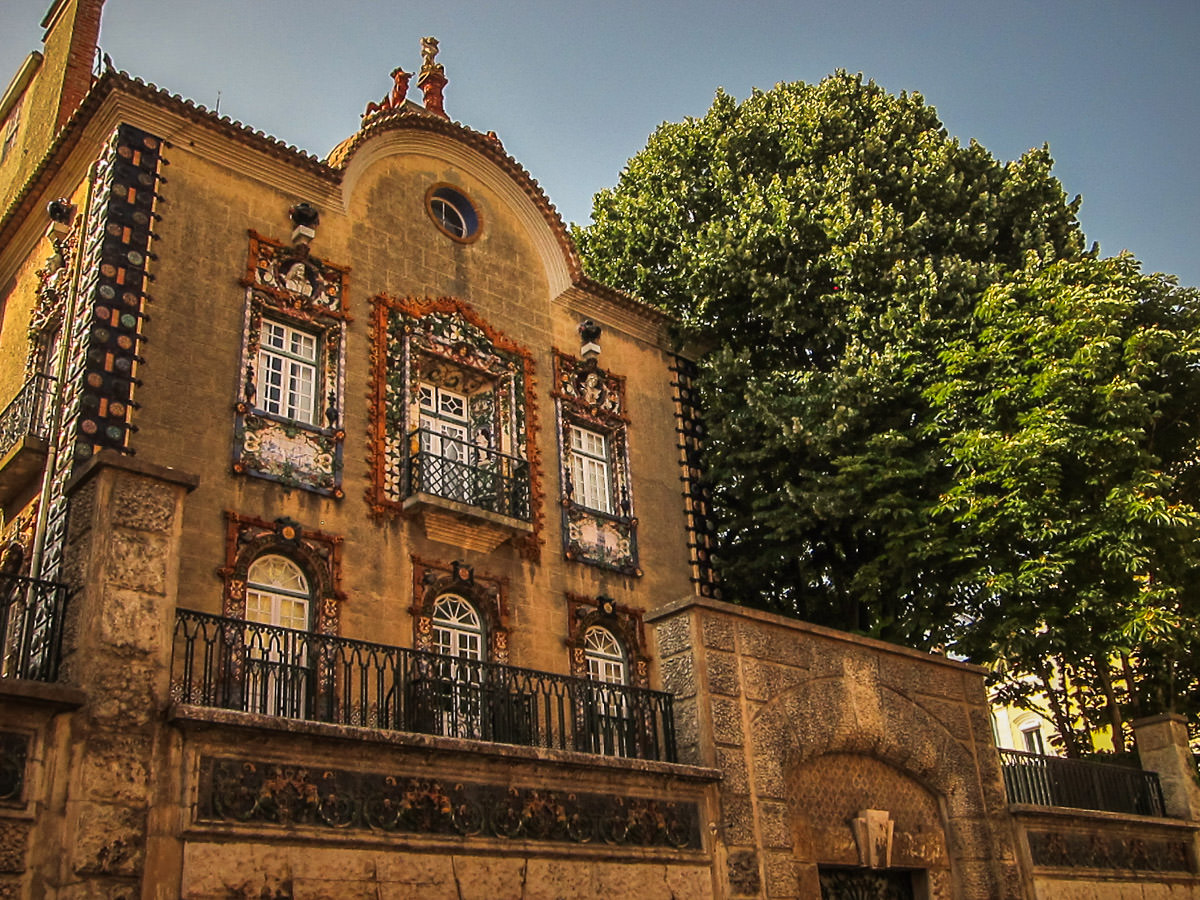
296 809
1071 854
826 742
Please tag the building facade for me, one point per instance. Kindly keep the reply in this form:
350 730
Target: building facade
356 546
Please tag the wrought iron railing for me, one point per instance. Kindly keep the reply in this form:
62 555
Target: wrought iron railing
31 620
27 414
1080 784
233 664
464 471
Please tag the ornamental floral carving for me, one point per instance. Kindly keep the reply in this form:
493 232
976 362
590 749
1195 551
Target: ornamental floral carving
254 792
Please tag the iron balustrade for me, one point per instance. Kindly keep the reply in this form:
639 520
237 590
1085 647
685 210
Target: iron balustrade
234 664
31 622
461 470
27 414
1080 784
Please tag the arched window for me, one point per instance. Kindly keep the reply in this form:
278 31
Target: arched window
604 655
457 630
277 593
277 672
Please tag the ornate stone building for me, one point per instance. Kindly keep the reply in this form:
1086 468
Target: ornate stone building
356 546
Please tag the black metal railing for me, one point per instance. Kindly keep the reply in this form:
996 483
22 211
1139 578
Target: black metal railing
28 413
1080 784
31 620
461 470
233 664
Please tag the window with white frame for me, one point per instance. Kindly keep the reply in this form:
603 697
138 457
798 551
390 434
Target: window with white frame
1031 738
457 630
589 467
287 372
605 659
277 673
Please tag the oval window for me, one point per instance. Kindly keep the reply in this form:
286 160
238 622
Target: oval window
452 212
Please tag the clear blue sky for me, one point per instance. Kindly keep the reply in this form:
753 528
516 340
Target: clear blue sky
573 89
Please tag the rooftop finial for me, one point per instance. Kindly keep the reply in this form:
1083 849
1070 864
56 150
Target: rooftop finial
432 79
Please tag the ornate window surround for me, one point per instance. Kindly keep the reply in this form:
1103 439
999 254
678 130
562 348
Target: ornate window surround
590 398
625 622
288 286
405 332
319 555
487 594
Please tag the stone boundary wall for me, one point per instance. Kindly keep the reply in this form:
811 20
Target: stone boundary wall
1071 854
811 728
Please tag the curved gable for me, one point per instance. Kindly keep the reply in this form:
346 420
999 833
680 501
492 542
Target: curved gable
479 157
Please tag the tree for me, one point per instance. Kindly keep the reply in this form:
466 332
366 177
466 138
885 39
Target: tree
827 242
934 417
1071 418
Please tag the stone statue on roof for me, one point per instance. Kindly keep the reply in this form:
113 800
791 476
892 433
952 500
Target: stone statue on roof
429 49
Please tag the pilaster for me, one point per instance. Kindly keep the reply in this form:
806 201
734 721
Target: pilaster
121 561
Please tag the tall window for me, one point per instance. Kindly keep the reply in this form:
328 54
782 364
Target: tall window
287 372
277 673
453 701
588 462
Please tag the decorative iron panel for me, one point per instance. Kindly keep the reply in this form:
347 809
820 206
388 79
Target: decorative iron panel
227 663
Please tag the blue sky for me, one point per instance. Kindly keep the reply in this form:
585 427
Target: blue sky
574 89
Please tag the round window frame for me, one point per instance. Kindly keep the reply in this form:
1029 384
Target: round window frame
464 205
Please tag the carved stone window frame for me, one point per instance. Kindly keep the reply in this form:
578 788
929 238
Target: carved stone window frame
625 622
433 579
318 554
406 333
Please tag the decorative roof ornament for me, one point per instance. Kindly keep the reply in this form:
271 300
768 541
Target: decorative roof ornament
395 99
432 78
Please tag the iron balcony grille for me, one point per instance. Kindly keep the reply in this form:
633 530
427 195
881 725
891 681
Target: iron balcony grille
234 664
31 620
1080 784
28 414
463 471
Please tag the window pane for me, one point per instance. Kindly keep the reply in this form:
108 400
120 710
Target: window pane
287 372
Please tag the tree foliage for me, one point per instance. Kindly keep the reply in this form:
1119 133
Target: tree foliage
1071 418
828 241
865 288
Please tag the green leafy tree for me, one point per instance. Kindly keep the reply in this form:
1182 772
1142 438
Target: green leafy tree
826 243
1071 418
